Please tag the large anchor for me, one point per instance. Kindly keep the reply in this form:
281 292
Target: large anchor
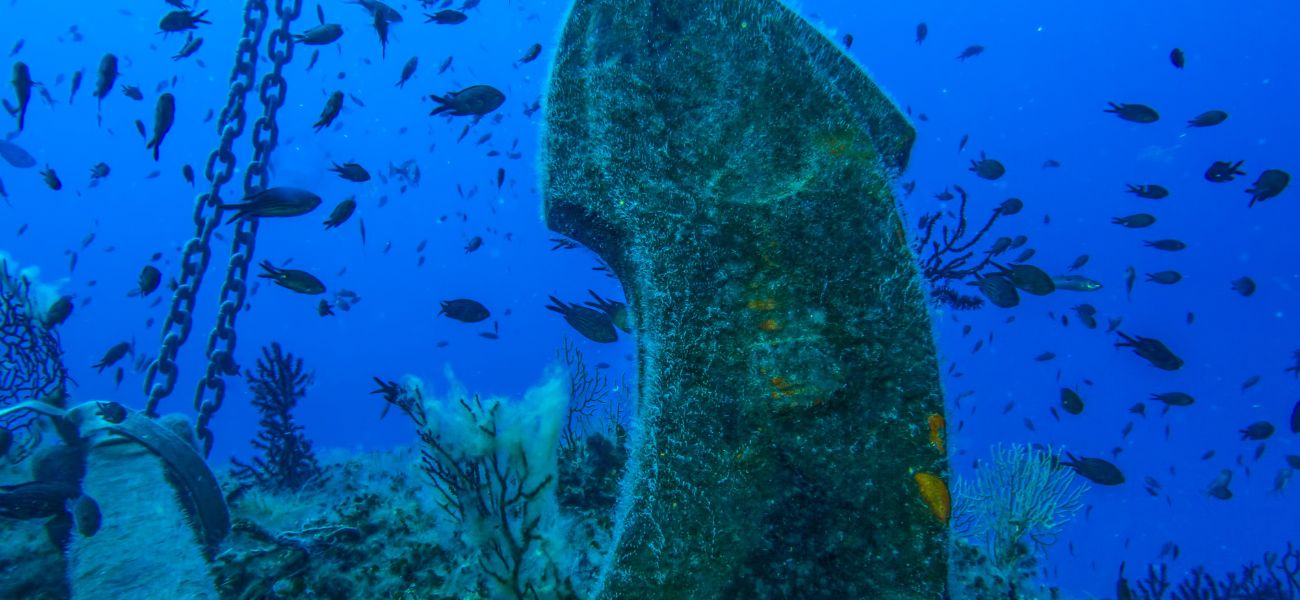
734 167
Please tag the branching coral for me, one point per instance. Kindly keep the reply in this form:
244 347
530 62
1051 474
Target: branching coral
1016 507
31 364
287 461
946 255
493 469
1278 578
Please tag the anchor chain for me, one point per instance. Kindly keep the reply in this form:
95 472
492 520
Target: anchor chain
197 252
265 136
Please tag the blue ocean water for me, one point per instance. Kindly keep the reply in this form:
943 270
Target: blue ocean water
1036 93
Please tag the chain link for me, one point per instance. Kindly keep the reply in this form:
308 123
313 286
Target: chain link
265 136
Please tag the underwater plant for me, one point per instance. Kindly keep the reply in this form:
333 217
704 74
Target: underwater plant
492 465
1009 515
31 360
946 255
287 461
1278 578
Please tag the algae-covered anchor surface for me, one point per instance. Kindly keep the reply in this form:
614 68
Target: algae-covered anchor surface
733 168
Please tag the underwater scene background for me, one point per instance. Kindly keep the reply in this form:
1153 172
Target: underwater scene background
1134 418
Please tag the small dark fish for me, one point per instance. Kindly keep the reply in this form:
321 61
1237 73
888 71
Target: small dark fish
1219 487
1222 171
1130 277
408 70
1136 113
1167 245
311 62
150 277
76 84
535 50
962 144
1153 350
998 289
1250 382
274 202
16 156
114 354
163 117
188 173
192 45
362 222
1270 183
331 111
17 47
1051 164
351 171
501 177
1071 401
341 213
1087 314
1244 286
1099 471
1044 357
970 52
23 87
446 64
848 41
594 325
1135 221
1165 277
1177 58
1174 398
922 31
182 20
381 29
99 171
1078 262
107 75
132 92
292 279
1029 279
475 100
58 312
1150 191
464 310
1208 119
321 35
446 17
944 196
139 126
1259 430
324 308
987 168
1011 206
475 243
51 179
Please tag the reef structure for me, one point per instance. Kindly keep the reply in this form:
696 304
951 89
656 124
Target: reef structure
733 167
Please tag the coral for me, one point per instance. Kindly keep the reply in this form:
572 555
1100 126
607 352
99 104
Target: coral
947 256
493 468
1278 578
31 363
287 461
1014 510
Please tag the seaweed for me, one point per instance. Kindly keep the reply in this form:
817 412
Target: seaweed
287 461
